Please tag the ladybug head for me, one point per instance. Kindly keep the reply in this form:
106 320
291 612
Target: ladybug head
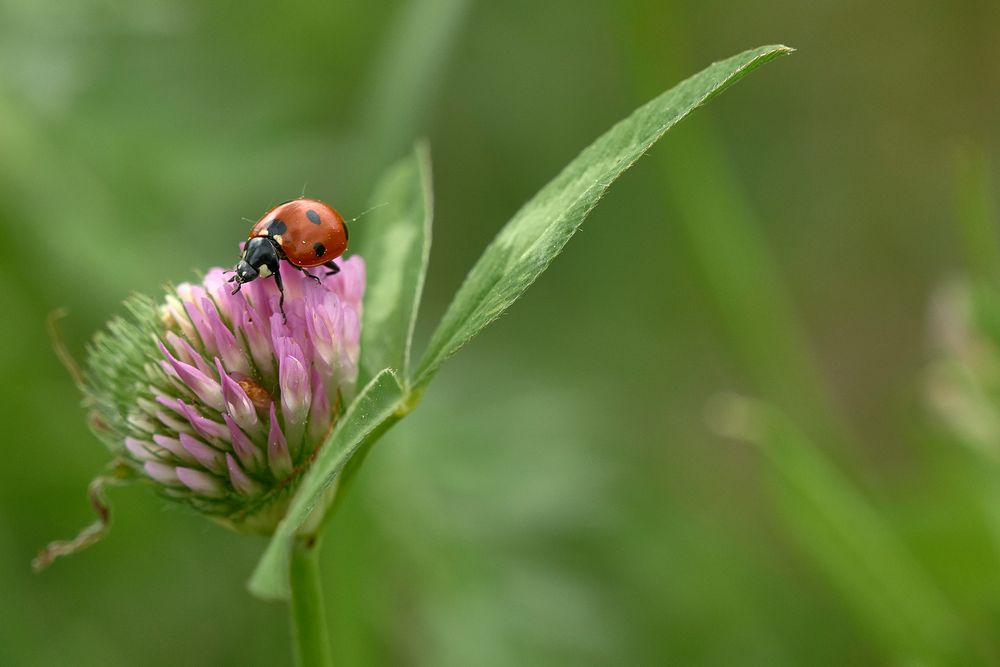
244 273
259 253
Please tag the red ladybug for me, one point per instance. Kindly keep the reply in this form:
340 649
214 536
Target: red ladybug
304 232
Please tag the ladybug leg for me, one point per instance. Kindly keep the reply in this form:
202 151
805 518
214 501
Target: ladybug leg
281 299
334 269
299 268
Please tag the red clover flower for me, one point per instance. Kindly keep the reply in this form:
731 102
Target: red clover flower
216 400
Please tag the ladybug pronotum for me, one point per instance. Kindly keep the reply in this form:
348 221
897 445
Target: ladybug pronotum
304 232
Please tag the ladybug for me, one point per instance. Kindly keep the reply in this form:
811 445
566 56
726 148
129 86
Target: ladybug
304 232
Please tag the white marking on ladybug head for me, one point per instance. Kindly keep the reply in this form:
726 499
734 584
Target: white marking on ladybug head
264 271
277 239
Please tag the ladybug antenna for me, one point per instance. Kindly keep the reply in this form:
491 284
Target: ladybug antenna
367 211
304 186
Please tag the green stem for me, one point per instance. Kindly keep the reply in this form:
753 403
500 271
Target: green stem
309 636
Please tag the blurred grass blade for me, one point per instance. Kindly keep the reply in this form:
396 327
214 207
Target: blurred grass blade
707 200
539 231
404 80
367 417
755 307
848 539
977 216
395 240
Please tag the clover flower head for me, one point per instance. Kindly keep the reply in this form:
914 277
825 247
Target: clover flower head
217 399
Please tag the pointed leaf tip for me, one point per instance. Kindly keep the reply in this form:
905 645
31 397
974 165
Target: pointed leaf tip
538 232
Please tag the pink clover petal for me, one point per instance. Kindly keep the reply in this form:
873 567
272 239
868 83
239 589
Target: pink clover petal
208 457
197 317
204 426
278 457
238 404
174 446
225 342
244 448
142 450
239 479
202 483
162 473
201 385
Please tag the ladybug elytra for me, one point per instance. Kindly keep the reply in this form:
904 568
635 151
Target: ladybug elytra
304 232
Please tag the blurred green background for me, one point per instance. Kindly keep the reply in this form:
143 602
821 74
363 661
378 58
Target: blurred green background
558 497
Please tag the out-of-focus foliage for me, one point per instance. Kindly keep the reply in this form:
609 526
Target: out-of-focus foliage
557 498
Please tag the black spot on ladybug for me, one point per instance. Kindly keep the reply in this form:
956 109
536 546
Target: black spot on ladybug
276 227
313 216
319 248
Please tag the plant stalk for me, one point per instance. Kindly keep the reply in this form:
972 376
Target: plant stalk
309 630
